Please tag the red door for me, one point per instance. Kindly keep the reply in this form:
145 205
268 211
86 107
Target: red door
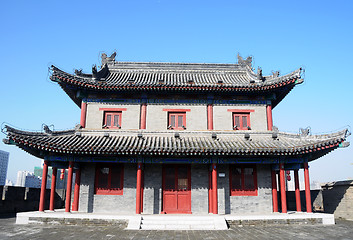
176 189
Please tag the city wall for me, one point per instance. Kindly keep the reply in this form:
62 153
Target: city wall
338 199
22 199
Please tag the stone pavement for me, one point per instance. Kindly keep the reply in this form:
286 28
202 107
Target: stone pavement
9 230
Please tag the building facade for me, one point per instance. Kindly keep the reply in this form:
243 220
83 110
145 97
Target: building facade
28 179
4 162
177 138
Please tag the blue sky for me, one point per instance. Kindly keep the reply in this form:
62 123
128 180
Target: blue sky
280 35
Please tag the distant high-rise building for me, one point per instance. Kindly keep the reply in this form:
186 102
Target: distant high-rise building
28 179
33 181
8 182
60 177
4 161
21 178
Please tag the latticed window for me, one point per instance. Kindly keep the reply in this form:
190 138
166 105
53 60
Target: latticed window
177 121
243 180
241 121
109 179
112 119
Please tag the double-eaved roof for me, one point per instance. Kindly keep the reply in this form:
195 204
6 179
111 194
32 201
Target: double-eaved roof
83 142
237 78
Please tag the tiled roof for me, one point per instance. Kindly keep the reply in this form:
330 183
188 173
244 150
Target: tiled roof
176 77
117 143
189 77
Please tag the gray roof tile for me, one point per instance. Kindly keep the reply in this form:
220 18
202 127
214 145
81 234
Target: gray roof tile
164 143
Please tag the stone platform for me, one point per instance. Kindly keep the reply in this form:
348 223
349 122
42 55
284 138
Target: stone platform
172 222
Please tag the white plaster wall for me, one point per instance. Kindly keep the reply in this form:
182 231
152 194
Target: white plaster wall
222 119
157 119
196 119
130 118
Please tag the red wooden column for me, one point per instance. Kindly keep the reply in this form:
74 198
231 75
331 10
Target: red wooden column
52 189
307 188
274 191
83 113
210 192
214 189
210 188
279 188
68 187
138 188
77 190
43 187
209 117
143 116
269 117
283 188
297 191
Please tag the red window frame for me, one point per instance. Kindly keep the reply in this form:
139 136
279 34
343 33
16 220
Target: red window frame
241 117
242 190
112 115
109 190
176 124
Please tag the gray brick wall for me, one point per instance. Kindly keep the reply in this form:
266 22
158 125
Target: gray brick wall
87 188
152 196
123 204
199 188
245 204
338 199
152 193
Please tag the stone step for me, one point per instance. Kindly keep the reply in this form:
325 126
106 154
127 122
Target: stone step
176 222
177 227
183 223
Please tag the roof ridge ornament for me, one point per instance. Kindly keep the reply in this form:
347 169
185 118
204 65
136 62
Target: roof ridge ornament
304 132
102 73
246 62
47 129
107 60
259 74
275 74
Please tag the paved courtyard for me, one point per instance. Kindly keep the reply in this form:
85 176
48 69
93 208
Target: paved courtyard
9 230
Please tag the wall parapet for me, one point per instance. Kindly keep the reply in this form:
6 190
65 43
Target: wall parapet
21 199
338 198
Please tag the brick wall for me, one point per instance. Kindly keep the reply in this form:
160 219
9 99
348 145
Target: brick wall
22 199
196 119
245 204
152 195
199 188
338 199
152 192
123 204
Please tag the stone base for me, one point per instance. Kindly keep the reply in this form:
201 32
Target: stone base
161 221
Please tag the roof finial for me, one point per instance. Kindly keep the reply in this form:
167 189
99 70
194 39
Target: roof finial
106 59
304 131
259 73
246 62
